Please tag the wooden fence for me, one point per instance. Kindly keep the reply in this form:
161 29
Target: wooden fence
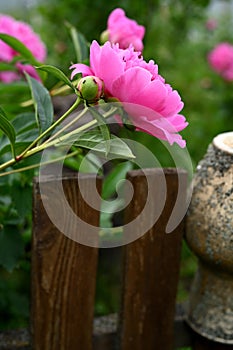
64 275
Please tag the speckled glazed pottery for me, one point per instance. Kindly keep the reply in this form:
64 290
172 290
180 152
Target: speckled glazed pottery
209 234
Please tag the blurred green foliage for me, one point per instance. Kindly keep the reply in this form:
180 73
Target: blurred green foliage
178 40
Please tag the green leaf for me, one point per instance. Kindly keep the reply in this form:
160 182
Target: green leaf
58 74
42 103
102 126
17 190
22 141
27 136
85 163
23 122
93 140
117 148
8 129
80 44
90 163
19 47
19 147
11 247
6 67
14 88
108 208
112 179
35 159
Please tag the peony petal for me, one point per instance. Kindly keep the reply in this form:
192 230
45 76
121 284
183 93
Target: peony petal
25 34
95 54
80 68
154 95
136 86
178 121
172 105
125 31
107 64
128 87
221 60
8 77
161 129
27 68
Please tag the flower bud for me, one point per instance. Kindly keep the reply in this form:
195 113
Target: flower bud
104 36
91 88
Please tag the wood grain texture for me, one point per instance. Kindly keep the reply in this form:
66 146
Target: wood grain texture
151 267
63 272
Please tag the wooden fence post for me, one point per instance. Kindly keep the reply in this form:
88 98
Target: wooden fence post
151 267
63 272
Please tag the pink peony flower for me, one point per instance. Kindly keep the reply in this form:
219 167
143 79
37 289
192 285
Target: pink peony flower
211 24
221 60
24 33
124 31
151 103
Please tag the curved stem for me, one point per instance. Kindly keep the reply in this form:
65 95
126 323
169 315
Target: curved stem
66 126
8 163
30 150
33 166
67 136
71 109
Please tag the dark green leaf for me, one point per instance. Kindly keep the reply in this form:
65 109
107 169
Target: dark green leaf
80 44
8 129
23 122
19 47
42 103
11 247
117 148
22 141
17 192
27 162
93 140
90 163
27 136
58 74
19 147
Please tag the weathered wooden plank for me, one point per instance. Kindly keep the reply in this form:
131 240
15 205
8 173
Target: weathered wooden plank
63 271
104 334
151 264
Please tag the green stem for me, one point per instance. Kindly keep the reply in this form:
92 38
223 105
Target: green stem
70 110
61 139
22 155
29 152
40 164
8 163
67 136
66 126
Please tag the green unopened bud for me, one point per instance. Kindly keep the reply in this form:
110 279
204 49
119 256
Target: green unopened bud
113 99
91 88
104 36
